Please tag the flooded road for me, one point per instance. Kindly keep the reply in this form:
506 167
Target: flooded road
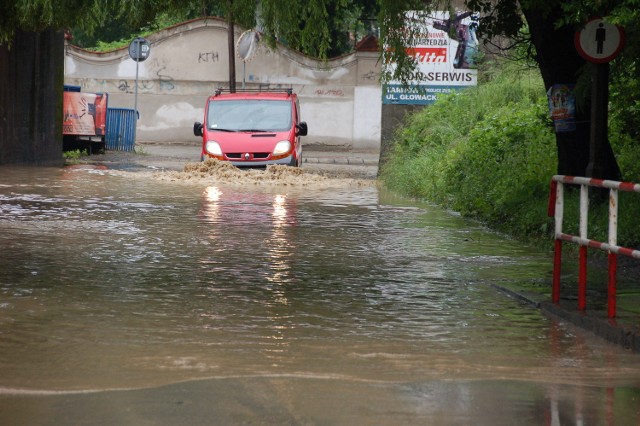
283 298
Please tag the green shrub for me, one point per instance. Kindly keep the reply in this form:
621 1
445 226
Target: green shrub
504 165
489 152
74 155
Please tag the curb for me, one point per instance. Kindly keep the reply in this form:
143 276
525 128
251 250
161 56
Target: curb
340 161
608 329
196 144
338 157
526 298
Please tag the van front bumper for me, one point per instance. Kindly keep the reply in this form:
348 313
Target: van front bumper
260 163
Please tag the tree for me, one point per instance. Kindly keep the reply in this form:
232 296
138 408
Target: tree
552 26
32 77
548 28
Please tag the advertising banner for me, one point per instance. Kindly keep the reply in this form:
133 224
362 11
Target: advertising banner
446 49
562 107
84 114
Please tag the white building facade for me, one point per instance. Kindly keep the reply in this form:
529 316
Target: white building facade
340 98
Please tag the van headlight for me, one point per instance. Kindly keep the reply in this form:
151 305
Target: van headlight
213 148
282 147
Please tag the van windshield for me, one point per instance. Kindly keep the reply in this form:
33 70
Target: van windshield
249 115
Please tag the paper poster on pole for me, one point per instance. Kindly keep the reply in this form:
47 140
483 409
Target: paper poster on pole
446 50
562 107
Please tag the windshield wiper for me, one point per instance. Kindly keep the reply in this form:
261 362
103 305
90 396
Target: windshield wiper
223 130
254 130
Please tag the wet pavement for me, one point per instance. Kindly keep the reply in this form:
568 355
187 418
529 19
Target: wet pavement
132 293
624 330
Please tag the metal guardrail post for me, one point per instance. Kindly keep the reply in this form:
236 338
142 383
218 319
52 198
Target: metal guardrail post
555 209
612 257
582 272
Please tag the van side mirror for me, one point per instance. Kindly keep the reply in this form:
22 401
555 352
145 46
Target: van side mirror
302 128
197 128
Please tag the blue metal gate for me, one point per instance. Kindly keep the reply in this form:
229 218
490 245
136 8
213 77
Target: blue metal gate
121 124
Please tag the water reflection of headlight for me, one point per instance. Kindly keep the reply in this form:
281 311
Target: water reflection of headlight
279 210
211 208
212 193
279 247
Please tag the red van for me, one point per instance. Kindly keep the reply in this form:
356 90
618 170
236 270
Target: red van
252 128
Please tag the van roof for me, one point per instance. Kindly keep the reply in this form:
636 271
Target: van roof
286 93
255 95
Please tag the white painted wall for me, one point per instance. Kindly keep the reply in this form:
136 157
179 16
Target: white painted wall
366 127
340 99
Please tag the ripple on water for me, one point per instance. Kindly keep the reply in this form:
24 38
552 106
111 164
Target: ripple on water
117 279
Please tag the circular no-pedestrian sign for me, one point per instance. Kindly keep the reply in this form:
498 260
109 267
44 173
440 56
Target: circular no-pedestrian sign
139 49
599 41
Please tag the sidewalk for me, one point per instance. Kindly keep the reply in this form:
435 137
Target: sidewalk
326 154
623 330
311 154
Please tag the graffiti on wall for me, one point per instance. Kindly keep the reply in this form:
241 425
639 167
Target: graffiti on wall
123 86
370 76
330 92
208 57
92 84
166 81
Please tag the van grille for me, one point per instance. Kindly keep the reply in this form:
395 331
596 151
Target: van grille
254 156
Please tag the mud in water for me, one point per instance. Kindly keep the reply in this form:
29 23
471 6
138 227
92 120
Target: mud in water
222 172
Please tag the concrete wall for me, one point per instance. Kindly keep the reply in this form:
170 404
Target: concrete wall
340 99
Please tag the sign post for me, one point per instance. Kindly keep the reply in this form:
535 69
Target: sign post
599 42
246 48
139 50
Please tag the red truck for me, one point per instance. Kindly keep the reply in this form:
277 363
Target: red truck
85 120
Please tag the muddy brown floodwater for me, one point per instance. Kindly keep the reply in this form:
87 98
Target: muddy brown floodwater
209 295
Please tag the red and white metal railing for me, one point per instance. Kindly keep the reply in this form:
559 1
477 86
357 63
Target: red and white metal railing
556 209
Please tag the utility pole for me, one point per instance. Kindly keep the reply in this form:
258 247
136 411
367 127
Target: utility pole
600 42
232 48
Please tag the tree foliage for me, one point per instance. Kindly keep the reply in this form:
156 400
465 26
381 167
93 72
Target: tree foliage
40 15
313 26
318 28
